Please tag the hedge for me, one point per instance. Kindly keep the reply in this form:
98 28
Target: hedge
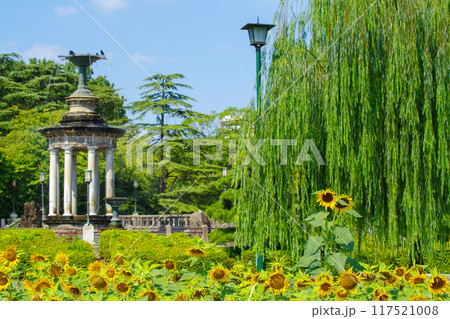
43 241
157 248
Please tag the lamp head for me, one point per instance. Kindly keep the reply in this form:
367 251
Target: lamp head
88 176
257 33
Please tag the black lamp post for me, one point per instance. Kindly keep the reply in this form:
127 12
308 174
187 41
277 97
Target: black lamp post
135 185
88 180
257 34
13 214
42 178
224 174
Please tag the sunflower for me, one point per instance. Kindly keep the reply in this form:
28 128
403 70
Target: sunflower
303 284
255 279
388 278
324 288
323 276
111 273
4 281
348 281
367 277
327 198
70 271
181 297
418 298
37 258
341 294
9 258
341 208
169 264
418 268
95 267
198 293
277 282
151 295
196 252
175 277
417 279
55 270
40 285
400 271
438 285
122 288
384 296
74 291
62 259
119 260
127 274
98 283
218 273
247 277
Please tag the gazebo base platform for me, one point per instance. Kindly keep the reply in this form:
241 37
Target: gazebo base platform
99 222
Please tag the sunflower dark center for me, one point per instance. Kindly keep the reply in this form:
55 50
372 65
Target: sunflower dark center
277 281
219 274
437 283
170 265
55 270
42 285
122 287
417 280
3 280
399 272
325 286
348 281
151 296
10 255
100 283
327 197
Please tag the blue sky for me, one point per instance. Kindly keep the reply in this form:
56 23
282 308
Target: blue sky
198 38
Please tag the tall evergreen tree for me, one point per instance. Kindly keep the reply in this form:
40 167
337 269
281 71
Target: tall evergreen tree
162 98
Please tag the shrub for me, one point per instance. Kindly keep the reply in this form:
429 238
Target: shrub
156 248
221 236
44 241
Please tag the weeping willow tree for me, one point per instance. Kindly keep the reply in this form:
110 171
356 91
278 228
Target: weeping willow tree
368 82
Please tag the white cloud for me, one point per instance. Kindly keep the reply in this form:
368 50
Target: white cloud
41 51
144 58
64 11
108 6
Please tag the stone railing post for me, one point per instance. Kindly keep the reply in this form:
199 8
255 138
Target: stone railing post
205 232
168 230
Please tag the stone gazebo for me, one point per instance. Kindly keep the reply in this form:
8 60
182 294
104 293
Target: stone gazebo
82 129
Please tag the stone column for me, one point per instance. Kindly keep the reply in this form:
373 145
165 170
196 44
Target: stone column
92 185
97 183
74 184
53 182
58 186
109 178
67 181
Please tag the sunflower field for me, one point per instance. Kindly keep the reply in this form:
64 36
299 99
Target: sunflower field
120 278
